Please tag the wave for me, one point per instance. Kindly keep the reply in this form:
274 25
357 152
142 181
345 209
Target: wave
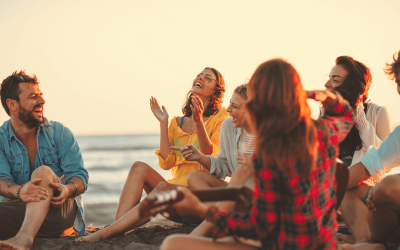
121 148
107 168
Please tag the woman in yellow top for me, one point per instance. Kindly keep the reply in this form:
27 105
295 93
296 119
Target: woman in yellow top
198 126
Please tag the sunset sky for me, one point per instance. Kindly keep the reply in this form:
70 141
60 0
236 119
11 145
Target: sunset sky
99 62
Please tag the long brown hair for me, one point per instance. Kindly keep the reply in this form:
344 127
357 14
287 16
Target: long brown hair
215 99
285 130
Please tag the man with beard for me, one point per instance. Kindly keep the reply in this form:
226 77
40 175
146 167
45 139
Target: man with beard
42 175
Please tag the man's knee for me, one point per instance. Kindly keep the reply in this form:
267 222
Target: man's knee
195 177
45 173
388 189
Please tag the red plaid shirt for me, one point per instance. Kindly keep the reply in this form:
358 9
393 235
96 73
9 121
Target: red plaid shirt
287 212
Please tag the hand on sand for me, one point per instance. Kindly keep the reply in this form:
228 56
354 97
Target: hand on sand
197 109
245 160
160 114
31 192
189 152
60 199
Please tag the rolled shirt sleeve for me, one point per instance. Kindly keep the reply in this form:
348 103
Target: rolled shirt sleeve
71 158
385 157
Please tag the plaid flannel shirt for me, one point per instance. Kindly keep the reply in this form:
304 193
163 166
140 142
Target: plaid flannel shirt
289 212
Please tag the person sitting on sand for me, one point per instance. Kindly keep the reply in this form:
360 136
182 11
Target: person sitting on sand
378 223
352 79
34 154
198 126
234 158
294 196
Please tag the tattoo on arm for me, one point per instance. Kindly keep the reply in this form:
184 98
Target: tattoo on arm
5 186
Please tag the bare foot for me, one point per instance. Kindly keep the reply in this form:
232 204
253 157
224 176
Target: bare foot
344 238
99 235
361 246
14 244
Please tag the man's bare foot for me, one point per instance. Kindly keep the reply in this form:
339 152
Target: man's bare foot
14 244
344 238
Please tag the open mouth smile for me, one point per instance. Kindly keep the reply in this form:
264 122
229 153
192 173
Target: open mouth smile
38 110
198 85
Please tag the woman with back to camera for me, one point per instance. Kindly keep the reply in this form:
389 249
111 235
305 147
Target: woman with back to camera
294 197
198 126
352 79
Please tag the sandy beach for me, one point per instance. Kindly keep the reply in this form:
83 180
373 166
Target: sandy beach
147 237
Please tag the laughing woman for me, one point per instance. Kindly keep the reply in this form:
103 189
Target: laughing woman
198 126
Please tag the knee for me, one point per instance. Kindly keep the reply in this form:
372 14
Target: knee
162 186
138 166
388 189
194 177
170 242
45 173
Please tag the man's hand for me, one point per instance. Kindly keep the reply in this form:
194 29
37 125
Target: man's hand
31 192
63 194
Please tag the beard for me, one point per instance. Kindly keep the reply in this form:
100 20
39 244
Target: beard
27 118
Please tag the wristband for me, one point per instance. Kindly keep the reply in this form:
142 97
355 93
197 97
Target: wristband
18 190
76 187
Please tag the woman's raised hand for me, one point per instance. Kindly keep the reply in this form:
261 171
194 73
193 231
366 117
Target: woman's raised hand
197 109
160 114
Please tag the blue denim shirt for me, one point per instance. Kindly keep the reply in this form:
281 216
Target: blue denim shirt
57 148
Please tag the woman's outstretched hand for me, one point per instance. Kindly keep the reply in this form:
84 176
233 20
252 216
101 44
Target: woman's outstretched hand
160 114
197 109
189 152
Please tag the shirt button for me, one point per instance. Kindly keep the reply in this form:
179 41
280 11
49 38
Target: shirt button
24 149
26 171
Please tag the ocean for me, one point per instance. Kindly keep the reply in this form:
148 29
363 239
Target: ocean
108 159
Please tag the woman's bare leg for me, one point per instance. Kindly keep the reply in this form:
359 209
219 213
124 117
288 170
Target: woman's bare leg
200 179
238 178
146 178
182 242
141 177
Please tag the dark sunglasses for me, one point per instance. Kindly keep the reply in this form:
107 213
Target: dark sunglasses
12 80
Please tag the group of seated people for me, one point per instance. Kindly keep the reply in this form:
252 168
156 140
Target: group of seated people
266 134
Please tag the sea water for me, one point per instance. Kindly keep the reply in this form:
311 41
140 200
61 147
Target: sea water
108 159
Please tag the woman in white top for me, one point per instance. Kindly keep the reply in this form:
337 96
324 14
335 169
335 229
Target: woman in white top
377 222
234 159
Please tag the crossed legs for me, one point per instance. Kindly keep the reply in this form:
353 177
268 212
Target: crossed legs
35 213
141 177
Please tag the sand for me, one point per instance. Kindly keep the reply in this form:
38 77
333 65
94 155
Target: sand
146 237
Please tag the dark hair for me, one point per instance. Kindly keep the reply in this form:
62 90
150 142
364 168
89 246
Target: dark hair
242 90
284 127
393 68
354 89
13 92
215 99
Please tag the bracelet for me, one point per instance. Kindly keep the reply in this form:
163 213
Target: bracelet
76 187
18 190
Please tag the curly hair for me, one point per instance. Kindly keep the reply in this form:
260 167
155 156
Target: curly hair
215 99
13 91
354 89
392 69
285 130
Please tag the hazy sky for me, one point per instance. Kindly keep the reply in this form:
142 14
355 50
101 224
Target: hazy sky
99 62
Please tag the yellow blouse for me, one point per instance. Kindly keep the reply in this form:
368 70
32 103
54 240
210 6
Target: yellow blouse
177 137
